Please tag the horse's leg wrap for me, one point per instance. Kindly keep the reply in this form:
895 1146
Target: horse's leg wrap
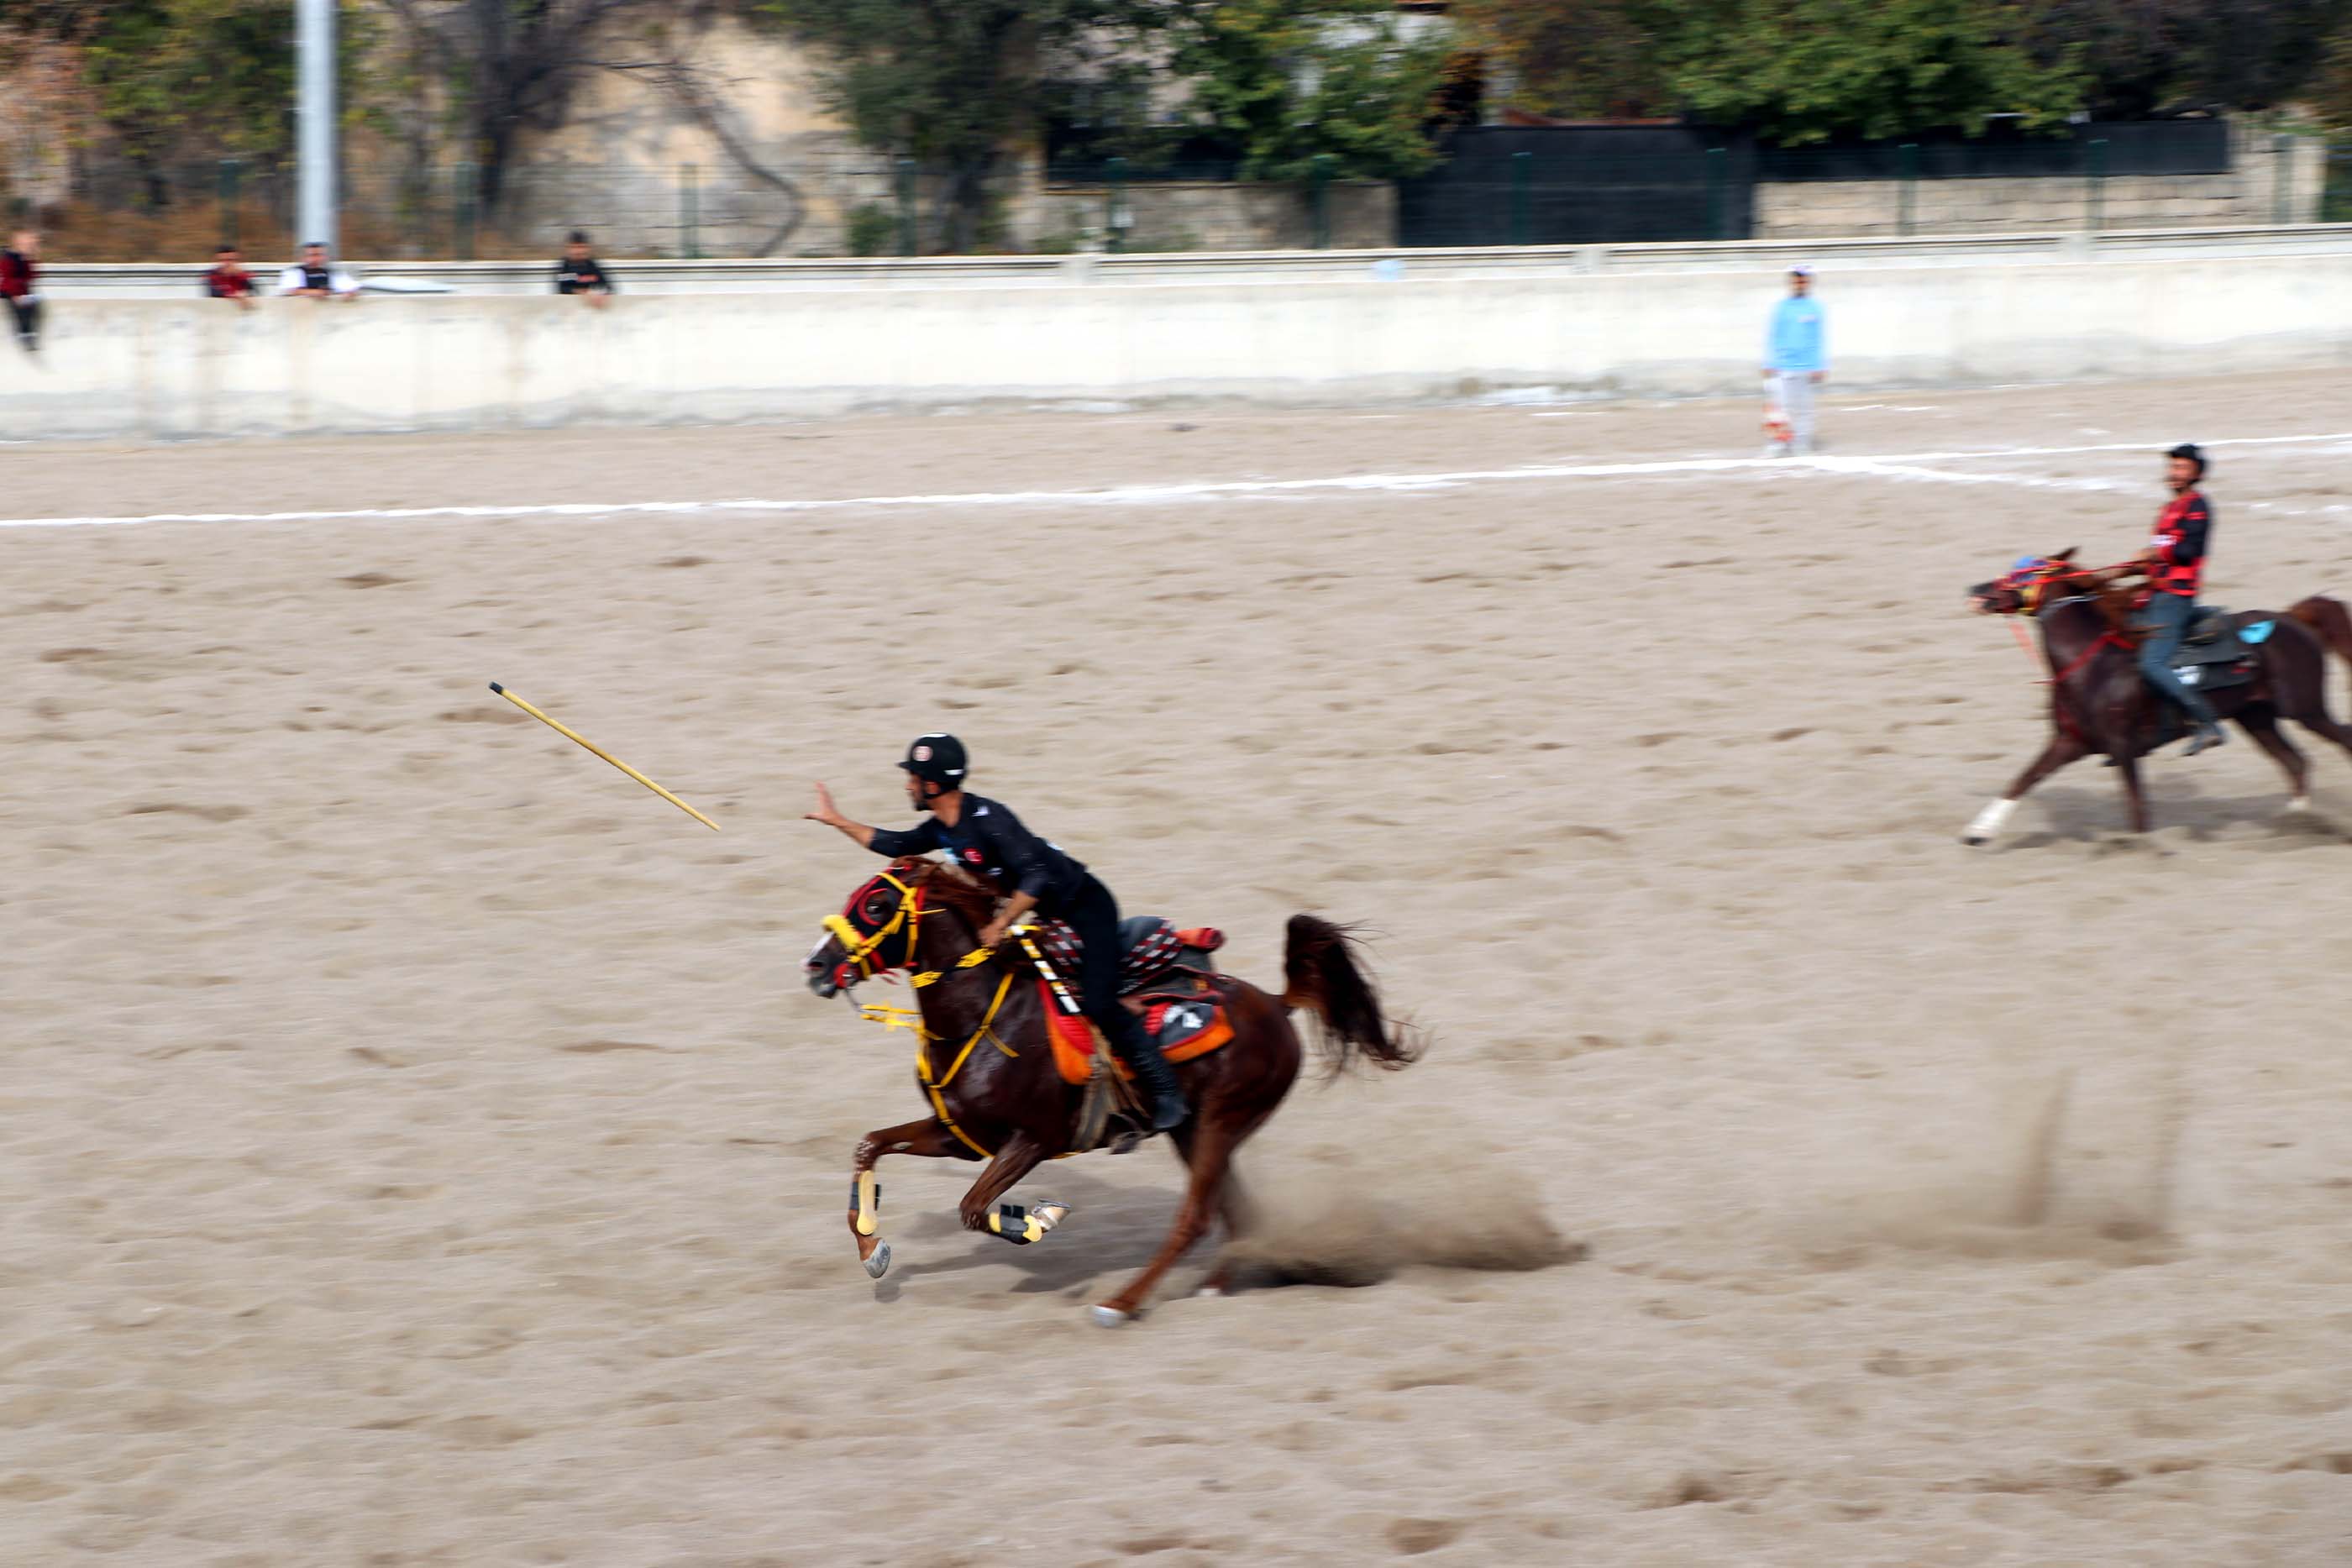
929 1139
864 1203
1989 821
1021 1226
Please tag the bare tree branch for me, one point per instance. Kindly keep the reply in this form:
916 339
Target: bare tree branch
693 92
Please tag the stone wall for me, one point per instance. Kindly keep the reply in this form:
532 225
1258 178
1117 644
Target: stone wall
2249 194
1211 216
776 174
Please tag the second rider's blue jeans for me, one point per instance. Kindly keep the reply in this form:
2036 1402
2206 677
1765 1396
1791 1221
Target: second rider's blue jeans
2165 618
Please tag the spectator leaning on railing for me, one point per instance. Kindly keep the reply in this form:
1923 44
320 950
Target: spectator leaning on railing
316 277
1796 358
20 277
581 273
228 278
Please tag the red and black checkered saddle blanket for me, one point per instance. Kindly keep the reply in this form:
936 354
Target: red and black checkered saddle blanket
1151 947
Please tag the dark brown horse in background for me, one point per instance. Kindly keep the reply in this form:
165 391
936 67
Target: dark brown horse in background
2100 702
986 1063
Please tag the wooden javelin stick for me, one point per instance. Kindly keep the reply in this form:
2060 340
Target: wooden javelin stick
606 755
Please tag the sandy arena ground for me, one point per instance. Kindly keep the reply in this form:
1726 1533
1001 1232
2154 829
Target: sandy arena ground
420 1148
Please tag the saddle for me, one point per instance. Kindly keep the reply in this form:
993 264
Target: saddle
2217 653
2210 622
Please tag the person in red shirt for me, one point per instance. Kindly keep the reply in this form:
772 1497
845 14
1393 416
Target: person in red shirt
228 278
20 273
2173 563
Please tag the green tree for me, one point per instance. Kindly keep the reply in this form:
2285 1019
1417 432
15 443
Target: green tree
1806 70
2139 58
1286 81
174 79
1586 59
207 78
954 83
2331 87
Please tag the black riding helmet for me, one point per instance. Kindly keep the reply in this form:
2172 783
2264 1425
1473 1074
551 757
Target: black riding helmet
2191 450
937 759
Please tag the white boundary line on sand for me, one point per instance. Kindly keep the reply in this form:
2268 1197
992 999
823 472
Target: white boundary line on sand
1907 465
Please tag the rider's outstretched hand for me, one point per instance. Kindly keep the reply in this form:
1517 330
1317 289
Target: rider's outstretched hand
826 812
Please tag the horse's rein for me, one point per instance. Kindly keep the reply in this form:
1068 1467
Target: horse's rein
2041 584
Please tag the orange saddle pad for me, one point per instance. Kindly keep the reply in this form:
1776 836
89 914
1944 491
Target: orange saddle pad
1187 1027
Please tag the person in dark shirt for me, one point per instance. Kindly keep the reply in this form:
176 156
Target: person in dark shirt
581 273
20 276
2174 564
228 278
984 838
317 278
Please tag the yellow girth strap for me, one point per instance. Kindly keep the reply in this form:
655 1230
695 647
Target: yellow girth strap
971 960
987 1030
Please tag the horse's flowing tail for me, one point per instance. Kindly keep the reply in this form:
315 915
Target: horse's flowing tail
2329 622
1320 974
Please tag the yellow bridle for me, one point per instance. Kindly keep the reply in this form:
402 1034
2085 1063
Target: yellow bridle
858 947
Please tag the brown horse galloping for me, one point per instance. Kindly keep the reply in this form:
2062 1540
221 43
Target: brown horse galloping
2100 702
987 1067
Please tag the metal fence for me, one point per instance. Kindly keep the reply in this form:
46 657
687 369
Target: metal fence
121 213
1497 187
2336 198
1612 185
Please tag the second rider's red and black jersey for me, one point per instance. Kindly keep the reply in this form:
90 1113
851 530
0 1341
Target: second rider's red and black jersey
2183 530
990 841
18 274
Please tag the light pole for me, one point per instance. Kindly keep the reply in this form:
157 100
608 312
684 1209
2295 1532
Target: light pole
314 117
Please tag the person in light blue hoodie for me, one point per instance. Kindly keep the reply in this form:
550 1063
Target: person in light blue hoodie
1796 359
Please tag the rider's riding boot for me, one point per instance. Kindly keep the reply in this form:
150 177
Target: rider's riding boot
1158 1079
2205 733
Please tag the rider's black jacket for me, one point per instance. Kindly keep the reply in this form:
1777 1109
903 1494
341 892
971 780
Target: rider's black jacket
989 840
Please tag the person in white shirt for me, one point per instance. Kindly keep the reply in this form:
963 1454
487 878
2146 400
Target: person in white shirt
316 277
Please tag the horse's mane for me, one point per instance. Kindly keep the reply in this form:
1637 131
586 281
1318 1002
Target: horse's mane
2110 603
951 887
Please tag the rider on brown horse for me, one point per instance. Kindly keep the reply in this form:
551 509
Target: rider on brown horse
2174 562
983 837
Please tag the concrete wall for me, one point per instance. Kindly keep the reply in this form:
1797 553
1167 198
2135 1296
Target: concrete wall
2250 193
162 368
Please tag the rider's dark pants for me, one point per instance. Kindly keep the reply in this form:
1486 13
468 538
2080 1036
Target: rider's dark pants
1094 915
2165 618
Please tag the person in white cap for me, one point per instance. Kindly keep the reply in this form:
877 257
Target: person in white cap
1796 358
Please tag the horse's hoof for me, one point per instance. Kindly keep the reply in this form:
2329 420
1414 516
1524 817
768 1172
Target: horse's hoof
1109 1317
879 1264
2299 805
1974 840
1209 1292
